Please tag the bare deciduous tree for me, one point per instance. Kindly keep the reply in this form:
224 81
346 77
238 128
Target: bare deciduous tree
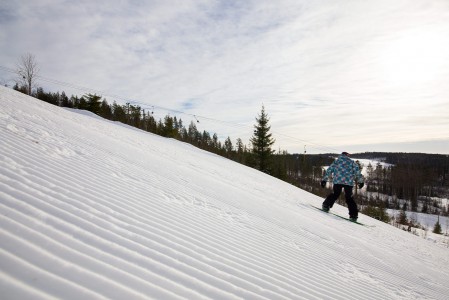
27 70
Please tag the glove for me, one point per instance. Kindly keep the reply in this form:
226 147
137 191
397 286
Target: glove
323 183
361 184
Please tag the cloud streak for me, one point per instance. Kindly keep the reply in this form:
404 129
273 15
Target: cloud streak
333 73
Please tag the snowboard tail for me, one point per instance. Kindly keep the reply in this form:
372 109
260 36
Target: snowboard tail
337 215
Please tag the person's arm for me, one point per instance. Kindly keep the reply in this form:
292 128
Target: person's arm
358 176
329 172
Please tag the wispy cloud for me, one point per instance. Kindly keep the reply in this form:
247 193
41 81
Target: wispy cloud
331 72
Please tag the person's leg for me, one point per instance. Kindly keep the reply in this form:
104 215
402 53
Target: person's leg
352 206
332 197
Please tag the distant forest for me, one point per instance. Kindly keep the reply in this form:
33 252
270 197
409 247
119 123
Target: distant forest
412 181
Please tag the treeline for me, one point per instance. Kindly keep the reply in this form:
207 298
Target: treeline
169 126
413 181
295 169
394 158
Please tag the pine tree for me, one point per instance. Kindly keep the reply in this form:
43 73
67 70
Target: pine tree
82 104
206 140
437 227
403 218
215 142
93 103
168 129
118 112
228 147
193 133
262 141
240 148
105 110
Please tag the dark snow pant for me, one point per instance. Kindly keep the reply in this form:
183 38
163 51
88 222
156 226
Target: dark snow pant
352 206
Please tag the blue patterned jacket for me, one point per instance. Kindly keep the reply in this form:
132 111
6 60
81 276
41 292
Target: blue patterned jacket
344 171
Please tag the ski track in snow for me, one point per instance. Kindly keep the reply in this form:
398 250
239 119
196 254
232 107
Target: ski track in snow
93 209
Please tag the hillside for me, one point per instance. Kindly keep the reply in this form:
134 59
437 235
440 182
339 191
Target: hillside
92 209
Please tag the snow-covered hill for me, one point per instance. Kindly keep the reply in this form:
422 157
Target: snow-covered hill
94 209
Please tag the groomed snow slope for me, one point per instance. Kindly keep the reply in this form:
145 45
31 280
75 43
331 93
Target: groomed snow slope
94 209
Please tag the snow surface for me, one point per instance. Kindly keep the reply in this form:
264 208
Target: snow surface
93 209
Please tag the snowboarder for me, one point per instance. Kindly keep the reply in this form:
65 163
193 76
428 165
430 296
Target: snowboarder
345 171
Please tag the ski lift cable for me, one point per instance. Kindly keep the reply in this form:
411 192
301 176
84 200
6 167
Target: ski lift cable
153 107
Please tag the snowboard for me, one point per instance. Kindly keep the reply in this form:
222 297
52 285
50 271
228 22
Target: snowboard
337 215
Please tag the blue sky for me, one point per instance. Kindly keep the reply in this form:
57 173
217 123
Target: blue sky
332 75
